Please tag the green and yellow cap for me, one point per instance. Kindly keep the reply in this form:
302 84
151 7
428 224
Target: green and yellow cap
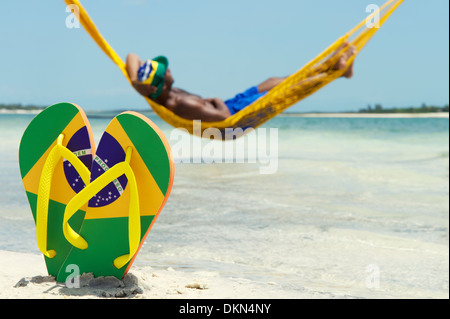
152 72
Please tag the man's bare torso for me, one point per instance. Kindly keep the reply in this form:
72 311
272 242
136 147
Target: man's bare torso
192 106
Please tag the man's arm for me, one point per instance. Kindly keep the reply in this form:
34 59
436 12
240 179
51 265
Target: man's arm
133 64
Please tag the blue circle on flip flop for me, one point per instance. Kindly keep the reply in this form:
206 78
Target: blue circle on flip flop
80 145
109 153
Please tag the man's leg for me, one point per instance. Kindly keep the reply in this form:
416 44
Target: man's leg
269 84
340 65
343 61
350 50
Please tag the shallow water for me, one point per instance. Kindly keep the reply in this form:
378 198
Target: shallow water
354 208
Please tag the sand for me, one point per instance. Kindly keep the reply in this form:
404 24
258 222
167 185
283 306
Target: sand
24 276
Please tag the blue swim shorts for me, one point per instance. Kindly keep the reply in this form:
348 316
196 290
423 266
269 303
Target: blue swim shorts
242 100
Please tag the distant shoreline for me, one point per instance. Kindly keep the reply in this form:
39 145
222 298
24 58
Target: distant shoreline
369 115
288 114
19 111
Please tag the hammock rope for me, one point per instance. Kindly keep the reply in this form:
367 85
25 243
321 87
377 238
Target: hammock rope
313 76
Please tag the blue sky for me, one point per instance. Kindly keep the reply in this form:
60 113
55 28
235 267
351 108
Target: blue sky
219 48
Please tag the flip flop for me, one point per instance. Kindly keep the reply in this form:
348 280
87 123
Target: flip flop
55 155
131 178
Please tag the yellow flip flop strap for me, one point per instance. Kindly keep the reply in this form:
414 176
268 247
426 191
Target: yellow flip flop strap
45 182
134 218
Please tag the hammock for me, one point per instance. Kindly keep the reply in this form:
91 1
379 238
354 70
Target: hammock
293 89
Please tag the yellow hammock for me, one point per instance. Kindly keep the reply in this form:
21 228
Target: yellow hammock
293 89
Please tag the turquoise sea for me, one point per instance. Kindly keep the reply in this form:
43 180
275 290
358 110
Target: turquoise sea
352 207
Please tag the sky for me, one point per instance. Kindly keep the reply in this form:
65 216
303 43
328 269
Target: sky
220 48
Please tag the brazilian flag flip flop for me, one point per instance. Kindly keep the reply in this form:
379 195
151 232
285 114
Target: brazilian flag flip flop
55 155
131 178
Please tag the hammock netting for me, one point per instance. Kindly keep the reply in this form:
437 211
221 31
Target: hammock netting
312 77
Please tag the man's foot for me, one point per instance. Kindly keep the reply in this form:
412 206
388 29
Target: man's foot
350 50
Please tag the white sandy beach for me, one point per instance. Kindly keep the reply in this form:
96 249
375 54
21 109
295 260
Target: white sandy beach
344 276
23 276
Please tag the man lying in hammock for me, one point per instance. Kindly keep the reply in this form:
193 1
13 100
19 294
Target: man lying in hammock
154 80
